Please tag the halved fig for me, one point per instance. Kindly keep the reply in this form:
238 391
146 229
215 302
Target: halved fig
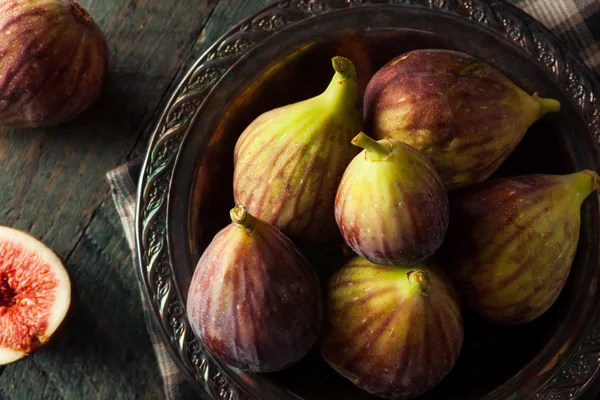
35 294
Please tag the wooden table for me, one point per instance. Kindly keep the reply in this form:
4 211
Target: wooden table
53 185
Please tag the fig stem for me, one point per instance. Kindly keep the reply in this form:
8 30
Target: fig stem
81 13
595 179
419 280
344 68
241 218
341 95
549 105
375 151
584 183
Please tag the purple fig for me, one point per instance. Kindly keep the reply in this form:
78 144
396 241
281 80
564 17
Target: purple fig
512 241
394 331
391 205
53 61
254 300
463 115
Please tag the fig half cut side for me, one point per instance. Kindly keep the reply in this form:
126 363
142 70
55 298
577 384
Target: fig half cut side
35 294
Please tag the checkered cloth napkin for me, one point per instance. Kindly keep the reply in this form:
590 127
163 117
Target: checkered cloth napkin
576 22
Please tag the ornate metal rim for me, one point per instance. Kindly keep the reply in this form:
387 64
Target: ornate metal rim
153 249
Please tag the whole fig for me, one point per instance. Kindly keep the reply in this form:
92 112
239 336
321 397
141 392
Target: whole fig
512 241
394 331
289 161
391 205
254 300
54 58
463 115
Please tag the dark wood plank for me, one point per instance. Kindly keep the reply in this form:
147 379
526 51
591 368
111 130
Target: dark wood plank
53 186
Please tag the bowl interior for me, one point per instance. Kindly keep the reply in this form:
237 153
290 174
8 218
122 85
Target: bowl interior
294 65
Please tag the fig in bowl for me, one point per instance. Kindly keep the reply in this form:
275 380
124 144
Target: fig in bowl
391 205
54 59
394 331
289 161
254 300
463 115
512 242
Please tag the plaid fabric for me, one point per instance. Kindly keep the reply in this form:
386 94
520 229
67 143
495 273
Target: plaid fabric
123 182
576 22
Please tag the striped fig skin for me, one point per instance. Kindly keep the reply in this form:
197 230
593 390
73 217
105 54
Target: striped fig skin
463 115
393 211
385 335
52 64
254 300
289 161
512 241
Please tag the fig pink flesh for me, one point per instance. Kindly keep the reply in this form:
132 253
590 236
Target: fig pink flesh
27 294
35 294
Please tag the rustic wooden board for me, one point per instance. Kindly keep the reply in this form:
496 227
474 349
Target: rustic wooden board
53 186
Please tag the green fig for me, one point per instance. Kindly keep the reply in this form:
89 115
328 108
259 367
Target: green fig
391 205
463 115
289 161
394 331
512 241
254 300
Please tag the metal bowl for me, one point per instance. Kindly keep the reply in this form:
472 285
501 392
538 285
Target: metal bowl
282 55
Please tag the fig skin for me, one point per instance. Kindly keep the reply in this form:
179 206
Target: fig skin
254 300
54 59
391 205
463 115
289 161
35 294
512 241
394 331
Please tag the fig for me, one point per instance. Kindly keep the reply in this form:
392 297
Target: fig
35 294
254 300
465 116
391 205
394 331
289 161
54 58
511 242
